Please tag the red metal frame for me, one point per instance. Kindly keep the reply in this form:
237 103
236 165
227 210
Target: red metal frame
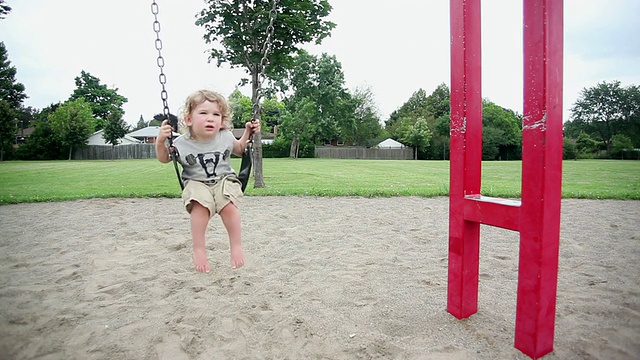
537 215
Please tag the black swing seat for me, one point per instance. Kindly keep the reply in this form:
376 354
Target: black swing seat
243 174
245 166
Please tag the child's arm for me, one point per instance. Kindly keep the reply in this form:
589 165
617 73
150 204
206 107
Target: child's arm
252 127
162 151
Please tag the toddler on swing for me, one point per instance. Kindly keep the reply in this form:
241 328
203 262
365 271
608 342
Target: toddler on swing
210 183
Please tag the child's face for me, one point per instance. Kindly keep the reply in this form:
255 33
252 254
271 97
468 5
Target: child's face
205 120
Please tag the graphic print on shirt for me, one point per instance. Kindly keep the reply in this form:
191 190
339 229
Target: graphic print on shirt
208 161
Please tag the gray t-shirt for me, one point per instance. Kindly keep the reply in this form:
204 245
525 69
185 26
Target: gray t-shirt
205 160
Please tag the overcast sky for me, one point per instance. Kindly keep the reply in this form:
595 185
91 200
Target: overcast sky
393 47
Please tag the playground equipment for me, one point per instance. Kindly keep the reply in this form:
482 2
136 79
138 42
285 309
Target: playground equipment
247 157
536 216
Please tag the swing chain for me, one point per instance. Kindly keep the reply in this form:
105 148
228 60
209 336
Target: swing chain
173 154
266 47
160 61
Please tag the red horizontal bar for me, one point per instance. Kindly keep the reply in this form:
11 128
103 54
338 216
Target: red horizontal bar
503 213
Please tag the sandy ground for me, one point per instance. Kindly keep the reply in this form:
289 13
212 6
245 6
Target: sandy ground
325 278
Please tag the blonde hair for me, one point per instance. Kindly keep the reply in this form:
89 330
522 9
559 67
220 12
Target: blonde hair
200 97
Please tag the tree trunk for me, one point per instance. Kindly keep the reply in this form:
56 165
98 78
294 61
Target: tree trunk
257 138
70 152
293 150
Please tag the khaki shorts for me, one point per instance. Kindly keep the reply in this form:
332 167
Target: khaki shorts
213 196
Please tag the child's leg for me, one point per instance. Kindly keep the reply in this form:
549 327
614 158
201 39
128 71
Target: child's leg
230 216
199 221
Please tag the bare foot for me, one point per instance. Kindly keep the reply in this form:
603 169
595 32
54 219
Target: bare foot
237 258
200 260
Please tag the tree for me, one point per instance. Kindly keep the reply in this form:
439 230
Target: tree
42 144
8 128
501 133
298 126
11 95
320 80
606 110
72 123
417 135
10 90
272 111
367 119
159 118
26 117
141 124
4 9
621 145
569 149
416 107
241 108
438 103
585 144
238 32
114 130
102 99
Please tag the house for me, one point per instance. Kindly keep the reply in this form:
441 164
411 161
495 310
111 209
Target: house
97 139
23 134
148 135
265 139
390 144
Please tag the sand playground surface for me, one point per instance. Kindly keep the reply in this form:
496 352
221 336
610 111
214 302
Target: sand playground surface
324 278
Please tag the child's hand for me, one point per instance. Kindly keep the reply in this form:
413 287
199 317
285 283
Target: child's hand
253 126
165 132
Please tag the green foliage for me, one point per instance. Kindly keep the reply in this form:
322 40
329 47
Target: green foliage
8 128
42 144
272 111
115 128
26 116
438 103
322 107
72 123
299 126
417 135
159 118
604 111
243 33
416 107
585 144
11 91
366 125
277 149
11 96
103 100
433 108
569 149
4 9
501 133
237 30
241 107
622 145
141 124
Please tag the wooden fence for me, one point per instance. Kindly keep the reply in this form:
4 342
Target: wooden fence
104 152
148 151
359 152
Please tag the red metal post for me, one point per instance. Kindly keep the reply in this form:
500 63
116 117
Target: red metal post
541 177
466 156
537 215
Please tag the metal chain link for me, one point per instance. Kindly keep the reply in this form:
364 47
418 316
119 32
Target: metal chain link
160 61
266 47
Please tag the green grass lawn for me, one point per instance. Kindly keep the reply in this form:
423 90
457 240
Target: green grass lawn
34 181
